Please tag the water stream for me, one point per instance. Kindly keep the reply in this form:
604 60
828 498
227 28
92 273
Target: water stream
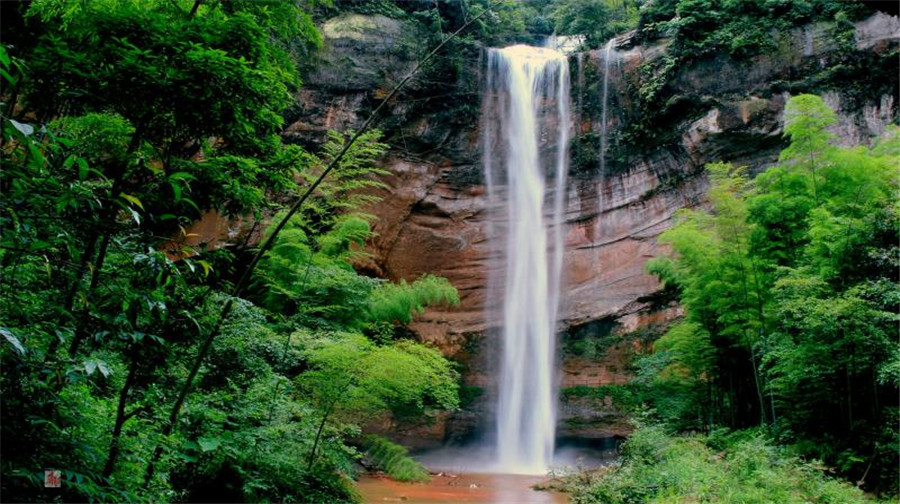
607 57
526 139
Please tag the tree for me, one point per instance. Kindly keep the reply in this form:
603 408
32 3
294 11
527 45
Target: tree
353 378
596 20
795 272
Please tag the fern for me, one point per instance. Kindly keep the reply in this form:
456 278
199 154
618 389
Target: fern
349 188
393 459
401 302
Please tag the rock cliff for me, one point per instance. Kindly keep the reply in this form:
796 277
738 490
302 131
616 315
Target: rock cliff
432 215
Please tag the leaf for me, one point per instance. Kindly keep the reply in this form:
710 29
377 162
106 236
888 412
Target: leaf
176 189
208 443
181 176
206 267
13 340
187 458
191 202
96 365
133 200
83 168
7 76
25 129
136 216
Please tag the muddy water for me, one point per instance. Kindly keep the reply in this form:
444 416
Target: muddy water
471 488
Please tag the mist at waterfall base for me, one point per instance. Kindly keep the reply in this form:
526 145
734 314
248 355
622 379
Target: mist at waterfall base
526 123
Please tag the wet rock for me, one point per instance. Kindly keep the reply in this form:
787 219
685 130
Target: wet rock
433 215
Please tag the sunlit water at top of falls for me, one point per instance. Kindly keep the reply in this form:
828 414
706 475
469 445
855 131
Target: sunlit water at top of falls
526 127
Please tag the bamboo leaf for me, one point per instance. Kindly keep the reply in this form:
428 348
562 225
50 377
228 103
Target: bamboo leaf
13 340
132 199
83 168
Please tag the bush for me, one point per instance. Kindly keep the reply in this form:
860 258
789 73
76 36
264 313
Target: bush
740 467
392 459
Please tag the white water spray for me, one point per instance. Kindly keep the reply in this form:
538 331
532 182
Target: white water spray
527 102
607 57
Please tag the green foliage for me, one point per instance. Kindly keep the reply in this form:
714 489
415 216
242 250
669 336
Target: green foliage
596 20
318 287
742 27
352 375
657 467
468 394
704 30
789 286
393 459
402 301
625 397
346 190
313 279
124 122
247 426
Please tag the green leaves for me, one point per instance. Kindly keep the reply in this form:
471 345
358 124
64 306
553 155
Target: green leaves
160 116
13 341
208 444
794 268
401 302
727 467
596 20
92 365
393 459
132 199
354 374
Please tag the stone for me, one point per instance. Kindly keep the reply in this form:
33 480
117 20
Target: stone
433 212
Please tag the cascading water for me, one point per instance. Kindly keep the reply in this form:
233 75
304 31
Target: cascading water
607 57
527 105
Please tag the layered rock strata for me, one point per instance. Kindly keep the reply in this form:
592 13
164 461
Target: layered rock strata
432 216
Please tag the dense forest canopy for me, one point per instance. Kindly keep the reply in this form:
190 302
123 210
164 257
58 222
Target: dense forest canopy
147 369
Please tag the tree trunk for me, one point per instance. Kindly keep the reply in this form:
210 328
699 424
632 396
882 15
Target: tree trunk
312 454
120 418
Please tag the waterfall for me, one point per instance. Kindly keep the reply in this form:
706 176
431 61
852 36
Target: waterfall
580 84
527 107
607 57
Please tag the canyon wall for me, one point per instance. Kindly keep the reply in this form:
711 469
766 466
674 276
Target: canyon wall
432 216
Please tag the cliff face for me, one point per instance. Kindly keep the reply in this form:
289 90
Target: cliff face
432 217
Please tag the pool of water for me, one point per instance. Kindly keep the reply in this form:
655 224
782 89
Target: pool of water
446 488
479 458
471 474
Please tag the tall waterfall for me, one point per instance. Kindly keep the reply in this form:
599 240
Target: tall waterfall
604 116
608 55
526 134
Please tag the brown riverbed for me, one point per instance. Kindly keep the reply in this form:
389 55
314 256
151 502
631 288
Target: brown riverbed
451 488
